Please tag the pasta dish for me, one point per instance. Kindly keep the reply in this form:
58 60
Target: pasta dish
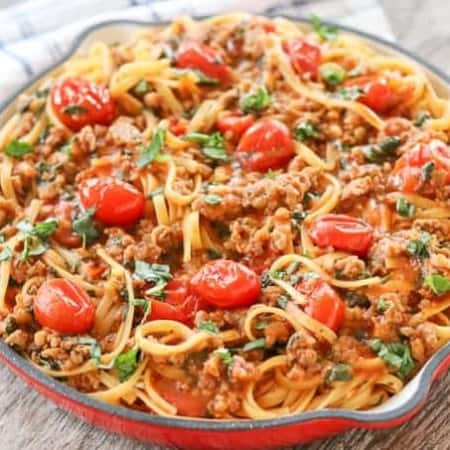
228 218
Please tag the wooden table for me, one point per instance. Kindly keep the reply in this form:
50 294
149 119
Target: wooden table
29 422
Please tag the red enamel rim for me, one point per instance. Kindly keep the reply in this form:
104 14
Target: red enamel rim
342 419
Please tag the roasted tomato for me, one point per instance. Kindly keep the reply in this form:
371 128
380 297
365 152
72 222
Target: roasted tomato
64 234
226 284
178 125
193 55
342 232
305 57
235 124
64 307
116 203
78 102
324 303
409 174
377 94
265 145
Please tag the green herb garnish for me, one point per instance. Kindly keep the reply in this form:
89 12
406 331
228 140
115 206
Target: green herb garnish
6 254
439 284
383 305
379 153
158 274
141 88
404 208
17 149
212 145
212 199
255 103
208 326
306 130
325 32
35 237
419 247
126 363
74 110
225 355
421 118
339 372
153 151
254 345
349 93
396 354
83 225
202 78
427 171
332 74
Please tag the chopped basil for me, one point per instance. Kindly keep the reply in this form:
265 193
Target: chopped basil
35 237
427 171
83 225
126 363
94 347
10 325
74 110
439 284
353 299
153 151
339 372
396 354
270 174
254 345
349 93
212 199
261 325
325 32
332 74
208 326
17 149
5 254
141 88
42 93
202 78
305 130
419 247
158 274
213 253
379 153
298 217
404 208
421 118
224 355
212 145
142 303
282 301
254 103
383 305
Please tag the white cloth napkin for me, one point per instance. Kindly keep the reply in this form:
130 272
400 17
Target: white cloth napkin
36 34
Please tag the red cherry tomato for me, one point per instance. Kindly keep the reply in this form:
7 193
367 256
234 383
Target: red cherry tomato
178 125
64 234
378 95
226 284
235 124
265 145
116 203
187 403
78 102
305 57
324 305
64 307
408 174
342 232
193 55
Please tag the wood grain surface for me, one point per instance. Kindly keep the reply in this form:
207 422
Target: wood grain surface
29 422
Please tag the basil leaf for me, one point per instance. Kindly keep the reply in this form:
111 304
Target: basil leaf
83 226
305 130
427 171
419 247
395 354
212 145
45 229
254 345
349 93
217 154
17 149
421 118
141 88
332 74
74 110
35 237
383 305
339 372
142 303
126 363
158 274
212 199
256 102
325 32
94 347
379 153
208 326
270 174
404 208
6 254
439 284
224 355
153 151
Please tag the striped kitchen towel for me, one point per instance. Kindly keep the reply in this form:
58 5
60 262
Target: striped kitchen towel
35 34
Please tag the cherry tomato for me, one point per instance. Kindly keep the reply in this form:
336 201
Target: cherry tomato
178 125
342 232
267 25
305 57
408 173
235 124
226 284
64 234
377 94
193 55
265 145
78 102
64 307
187 403
324 305
116 203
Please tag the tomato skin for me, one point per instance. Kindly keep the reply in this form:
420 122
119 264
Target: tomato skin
407 173
226 284
178 125
64 307
97 105
235 124
305 57
378 95
325 304
194 55
64 234
267 144
186 402
342 232
117 203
